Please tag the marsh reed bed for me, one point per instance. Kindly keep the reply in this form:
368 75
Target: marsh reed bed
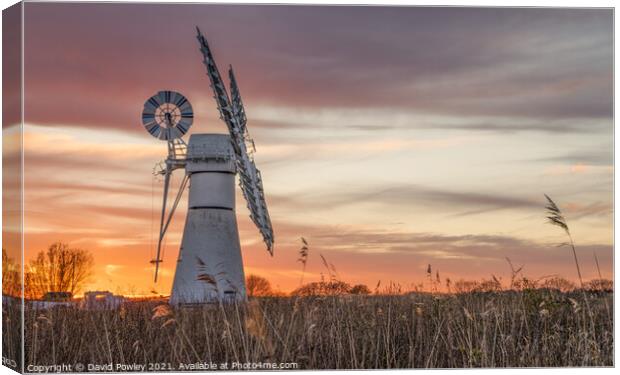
538 328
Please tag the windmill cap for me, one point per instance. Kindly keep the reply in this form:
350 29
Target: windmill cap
210 152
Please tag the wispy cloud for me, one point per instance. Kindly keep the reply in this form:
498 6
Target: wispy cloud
601 157
450 202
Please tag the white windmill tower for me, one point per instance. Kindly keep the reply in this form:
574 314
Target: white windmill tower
209 267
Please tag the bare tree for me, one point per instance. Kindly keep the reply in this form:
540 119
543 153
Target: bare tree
600 285
11 283
60 269
360 289
465 286
323 288
559 283
257 286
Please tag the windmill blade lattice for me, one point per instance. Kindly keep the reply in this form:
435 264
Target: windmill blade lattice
233 114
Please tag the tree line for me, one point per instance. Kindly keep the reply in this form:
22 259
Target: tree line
62 268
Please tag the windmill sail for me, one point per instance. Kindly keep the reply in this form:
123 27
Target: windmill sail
237 104
233 114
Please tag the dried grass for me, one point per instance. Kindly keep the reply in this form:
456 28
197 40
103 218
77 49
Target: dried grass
533 327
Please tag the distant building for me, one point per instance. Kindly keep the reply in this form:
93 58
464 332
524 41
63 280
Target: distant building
51 300
101 300
57 296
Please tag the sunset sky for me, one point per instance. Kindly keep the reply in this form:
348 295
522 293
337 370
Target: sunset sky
390 138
